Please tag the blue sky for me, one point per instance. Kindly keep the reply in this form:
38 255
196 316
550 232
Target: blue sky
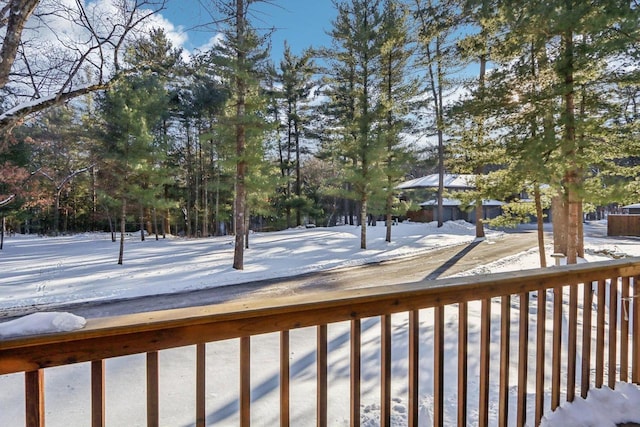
302 23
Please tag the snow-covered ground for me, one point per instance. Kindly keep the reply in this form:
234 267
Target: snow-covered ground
46 271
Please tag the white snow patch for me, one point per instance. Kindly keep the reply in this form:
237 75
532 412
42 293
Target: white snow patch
41 323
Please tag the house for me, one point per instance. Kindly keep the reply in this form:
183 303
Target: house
453 209
632 209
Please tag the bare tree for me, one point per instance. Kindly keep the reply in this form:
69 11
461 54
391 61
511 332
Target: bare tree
53 51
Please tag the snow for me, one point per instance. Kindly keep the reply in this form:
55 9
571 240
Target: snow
39 273
41 323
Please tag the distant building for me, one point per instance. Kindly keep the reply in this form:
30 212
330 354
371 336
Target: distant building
632 209
452 208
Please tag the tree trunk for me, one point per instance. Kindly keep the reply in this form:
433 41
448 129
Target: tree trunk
123 223
580 242
560 215
298 176
246 229
2 230
540 220
363 222
166 229
571 178
389 208
141 224
479 168
19 13
479 218
155 223
241 165
56 213
573 226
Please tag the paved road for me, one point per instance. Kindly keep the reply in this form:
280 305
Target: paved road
435 264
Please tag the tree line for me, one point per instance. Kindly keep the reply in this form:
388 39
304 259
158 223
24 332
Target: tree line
136 136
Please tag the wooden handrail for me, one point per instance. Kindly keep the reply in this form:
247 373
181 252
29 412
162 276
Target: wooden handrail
148 333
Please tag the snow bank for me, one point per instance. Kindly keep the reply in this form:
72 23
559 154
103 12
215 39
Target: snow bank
603 407
41 323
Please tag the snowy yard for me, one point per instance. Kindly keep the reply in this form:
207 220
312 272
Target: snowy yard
46 271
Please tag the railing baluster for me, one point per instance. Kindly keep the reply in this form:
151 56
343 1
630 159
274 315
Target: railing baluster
153 406
635 342
557 347
485 348
245 381
201 383
34 398
285 377
438 366
586 338
356 371
385 370
613 331
322 376
414 365
505 342
97 394
624 331
600 334
572 342
463 372
523 359
541 320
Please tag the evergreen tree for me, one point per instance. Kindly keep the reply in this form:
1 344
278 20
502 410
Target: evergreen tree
355 63
437 22
132 153
240 57
296 73
398 92
579 40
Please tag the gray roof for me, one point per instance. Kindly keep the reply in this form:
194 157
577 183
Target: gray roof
634 206
456 202
453 181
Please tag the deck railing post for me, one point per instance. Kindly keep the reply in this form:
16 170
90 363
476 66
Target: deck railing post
34 398
485 351
97 394
541 325
245 381
438 366
322 379
523 358
414 365
285 377
505 343
385 371
153 390
586 338
201 384
355 374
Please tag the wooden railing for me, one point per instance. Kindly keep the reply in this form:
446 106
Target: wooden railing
594 343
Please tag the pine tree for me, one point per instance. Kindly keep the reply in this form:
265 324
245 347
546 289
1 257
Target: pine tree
579 40
239 57
296 73
437 22
397 94
356 61
133 156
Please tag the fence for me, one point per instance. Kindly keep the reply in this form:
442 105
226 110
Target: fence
574 330
623 225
